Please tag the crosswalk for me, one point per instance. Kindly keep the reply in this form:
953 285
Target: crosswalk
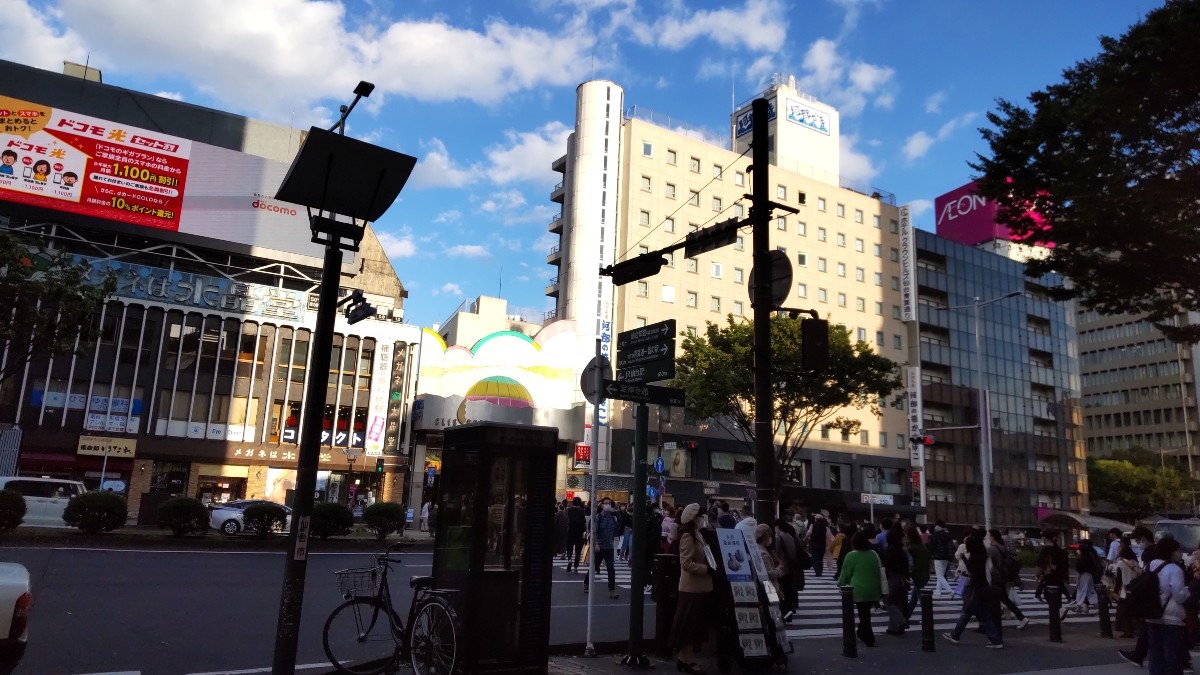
820 611
620 570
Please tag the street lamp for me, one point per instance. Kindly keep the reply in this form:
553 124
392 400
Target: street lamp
984 412
351 455
335 176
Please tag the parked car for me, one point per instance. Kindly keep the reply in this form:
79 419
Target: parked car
227 517
45 498
15 600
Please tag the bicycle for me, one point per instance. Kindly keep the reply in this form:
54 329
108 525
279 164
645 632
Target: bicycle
365 635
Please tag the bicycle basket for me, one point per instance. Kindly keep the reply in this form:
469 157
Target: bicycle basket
359 581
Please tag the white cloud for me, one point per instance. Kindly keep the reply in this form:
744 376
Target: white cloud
920 206
848 85
528 155
761 68
916 145
394 246
451 216
436 169
855 165
173 95
759 25
448 288
853 9
933 104
468 251
36 36
953 125
523 277
505 200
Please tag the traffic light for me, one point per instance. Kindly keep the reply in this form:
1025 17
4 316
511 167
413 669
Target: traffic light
814 344
358 309
379 465
922 439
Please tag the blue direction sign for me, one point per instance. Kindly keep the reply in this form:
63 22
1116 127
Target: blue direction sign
651 492
660 465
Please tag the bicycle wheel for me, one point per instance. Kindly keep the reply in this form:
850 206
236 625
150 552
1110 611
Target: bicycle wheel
358 638
433 639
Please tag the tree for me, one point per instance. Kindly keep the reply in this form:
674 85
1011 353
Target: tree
1105 167
1138 484
48 302
715 371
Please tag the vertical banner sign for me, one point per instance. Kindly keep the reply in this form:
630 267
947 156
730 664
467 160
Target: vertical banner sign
395 404
583 455
918 488
606 350
908 267
912 387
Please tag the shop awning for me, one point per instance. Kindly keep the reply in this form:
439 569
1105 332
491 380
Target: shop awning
1067 520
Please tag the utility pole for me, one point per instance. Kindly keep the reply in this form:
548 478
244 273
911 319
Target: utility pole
764 402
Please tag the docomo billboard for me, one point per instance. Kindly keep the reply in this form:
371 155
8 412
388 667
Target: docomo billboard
56 159
967 217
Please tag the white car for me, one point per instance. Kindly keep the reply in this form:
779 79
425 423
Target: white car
227 517
45 498
15 599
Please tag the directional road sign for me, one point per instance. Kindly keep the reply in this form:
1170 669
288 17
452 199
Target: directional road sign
659 369
660 465
587 381
655 332
646 353
642 393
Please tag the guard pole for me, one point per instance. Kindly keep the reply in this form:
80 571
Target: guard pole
637 581
927 642
849 639
1054 599
1102 605
764 400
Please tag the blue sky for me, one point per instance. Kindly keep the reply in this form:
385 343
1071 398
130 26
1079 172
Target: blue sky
482 93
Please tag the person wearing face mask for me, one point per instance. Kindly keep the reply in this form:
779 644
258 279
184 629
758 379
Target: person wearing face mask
1165 635
690 625
605 523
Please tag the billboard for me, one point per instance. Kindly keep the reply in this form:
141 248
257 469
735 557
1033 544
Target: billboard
908 266
65 161
966 217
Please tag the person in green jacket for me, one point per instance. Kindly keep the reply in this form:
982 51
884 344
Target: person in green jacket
922 560
861 571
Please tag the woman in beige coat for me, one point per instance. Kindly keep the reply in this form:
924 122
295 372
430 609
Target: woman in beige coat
690 626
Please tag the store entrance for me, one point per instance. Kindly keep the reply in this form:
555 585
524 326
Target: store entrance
220 489
358 492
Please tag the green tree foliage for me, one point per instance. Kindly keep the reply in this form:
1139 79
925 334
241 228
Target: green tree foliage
47 303
1104 165
264 518
183 515
384 518
95 512
331 519
12 509
1138 483
715 371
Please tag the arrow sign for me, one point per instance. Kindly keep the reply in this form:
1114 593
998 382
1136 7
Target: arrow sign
660 465
643 393
646 353
655 332
660 369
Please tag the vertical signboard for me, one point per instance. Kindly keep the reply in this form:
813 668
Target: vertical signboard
912 386
908 267
396 395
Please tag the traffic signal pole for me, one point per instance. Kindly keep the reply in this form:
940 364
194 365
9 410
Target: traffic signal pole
764 402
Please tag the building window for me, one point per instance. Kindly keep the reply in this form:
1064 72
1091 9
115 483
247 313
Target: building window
860 274
717 171
639 322
895 311
739 244
691 330
671 157
875 221
894 226
841 211
802 290
878 250
642 250
895 283
861 305
864 437
879 338
647 149
739 178
670 191
716 204
668 293
669 224
858 215
694 165
781 249
739 210
822 296
645 183
879 278
694 198
894 254
820 264
693 266
820 234
897 343
716 270
802 259
841 240
692 299
883 439
737 308
781 223
644 218
670 258
643 289
878 309
820 203
781 192
841 269
802 229
825 432
859 245
737 275
714 304
841 299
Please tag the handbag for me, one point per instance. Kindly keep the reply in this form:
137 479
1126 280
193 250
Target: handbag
587 549
883 582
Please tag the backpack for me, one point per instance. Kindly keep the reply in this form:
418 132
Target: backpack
1141 596
1010 567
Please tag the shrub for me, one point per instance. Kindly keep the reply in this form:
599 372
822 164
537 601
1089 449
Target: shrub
263 519
384 518
183 515
94 512
12 509
331 519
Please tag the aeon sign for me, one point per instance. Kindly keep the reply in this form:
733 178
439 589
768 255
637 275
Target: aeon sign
966 217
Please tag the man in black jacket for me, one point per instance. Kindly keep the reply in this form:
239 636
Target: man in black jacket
576 527
941 549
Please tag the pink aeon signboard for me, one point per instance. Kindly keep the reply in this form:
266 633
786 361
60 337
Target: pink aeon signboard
968 218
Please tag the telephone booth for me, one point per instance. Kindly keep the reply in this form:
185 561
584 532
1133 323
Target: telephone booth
494 542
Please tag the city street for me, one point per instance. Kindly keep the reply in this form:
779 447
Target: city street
171 612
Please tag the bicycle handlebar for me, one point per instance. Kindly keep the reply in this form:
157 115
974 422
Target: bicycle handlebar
386 556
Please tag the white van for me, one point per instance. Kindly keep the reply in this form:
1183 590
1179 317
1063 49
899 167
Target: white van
45 498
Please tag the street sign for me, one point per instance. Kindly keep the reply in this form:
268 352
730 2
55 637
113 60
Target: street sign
587 381
659 369
642 393
646 353
660 465
655 332
781 279
670 445
651 492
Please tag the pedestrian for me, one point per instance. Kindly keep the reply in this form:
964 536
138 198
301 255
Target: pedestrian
724 517
433 514
669 530
979 598
848 532
604 528
1114 546
1086 565
819 537
787 548
626 531
763 537
576 526
425 517
560 530
1006 573
895 565
1165 635
1124 571
918 552
861 571
1054 567
692 610
941 547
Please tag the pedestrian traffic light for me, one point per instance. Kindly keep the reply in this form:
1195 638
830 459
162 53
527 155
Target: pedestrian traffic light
921 439
814 344
379 465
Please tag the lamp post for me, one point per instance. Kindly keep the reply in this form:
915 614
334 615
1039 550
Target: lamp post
984 412
335 176
351 493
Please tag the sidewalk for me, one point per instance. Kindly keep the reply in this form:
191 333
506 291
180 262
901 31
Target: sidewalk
137 537
1027 651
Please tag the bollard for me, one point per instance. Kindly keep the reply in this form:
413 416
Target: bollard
927 643
1102 605
849 640
1054 599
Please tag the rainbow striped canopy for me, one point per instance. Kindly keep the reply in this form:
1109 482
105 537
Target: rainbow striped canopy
502 391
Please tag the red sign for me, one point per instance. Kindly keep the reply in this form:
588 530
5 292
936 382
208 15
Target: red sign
570 495
583 453
916 480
